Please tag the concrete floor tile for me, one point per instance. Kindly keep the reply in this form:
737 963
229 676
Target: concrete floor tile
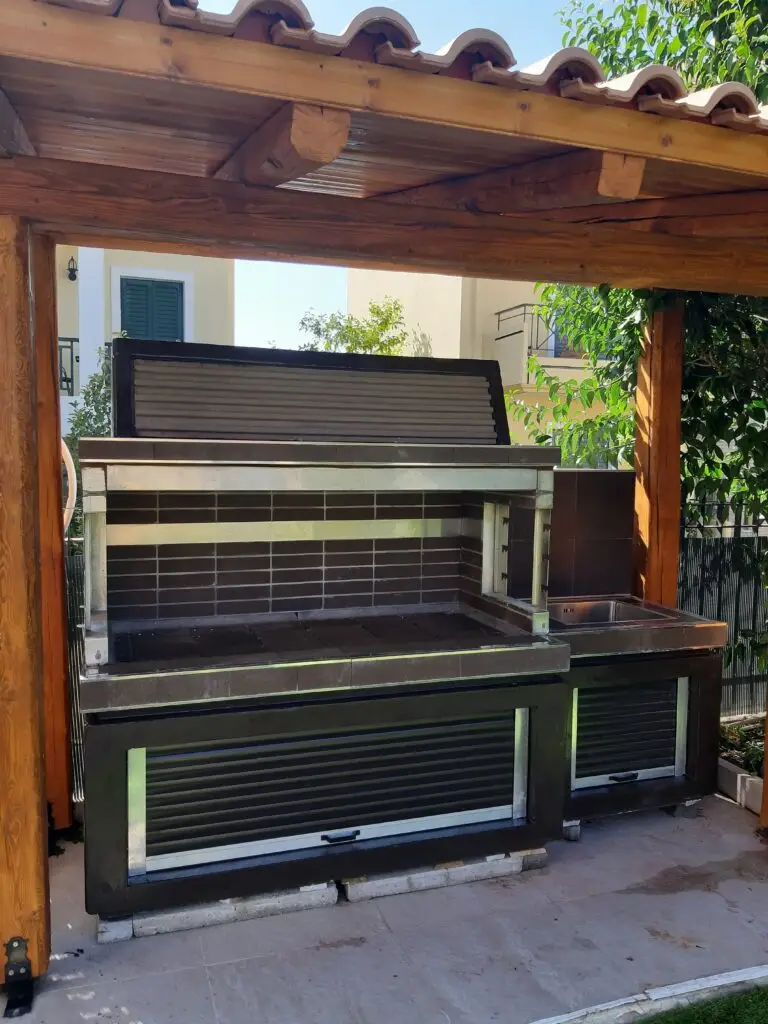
365 980
341 926
479 972
671 938
94 964
452 906
176 997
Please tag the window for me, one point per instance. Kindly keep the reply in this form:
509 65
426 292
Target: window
152 310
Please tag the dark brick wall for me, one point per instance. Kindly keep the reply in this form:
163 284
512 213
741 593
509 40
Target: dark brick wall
194 580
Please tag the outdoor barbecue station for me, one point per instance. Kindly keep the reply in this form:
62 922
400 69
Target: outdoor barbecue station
353 687
327 634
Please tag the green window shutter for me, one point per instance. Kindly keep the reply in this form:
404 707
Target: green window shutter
152 310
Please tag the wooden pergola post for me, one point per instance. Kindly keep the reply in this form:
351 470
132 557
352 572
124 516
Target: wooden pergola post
24 909
52 588
657 457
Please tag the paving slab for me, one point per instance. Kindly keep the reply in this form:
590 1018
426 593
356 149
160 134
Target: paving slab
641 902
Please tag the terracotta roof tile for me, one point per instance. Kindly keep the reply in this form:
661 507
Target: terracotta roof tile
382 35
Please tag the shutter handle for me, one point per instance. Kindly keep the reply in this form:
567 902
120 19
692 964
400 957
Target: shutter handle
624 777
341 837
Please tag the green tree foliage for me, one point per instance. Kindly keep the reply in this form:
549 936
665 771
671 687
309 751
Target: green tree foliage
382 333
91 417
725 387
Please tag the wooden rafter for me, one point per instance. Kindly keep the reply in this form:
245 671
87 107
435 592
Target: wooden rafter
574 179
13 136
239 220
296 140
56 36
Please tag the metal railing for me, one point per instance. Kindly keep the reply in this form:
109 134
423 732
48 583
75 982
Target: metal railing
724 575
69 366
542 339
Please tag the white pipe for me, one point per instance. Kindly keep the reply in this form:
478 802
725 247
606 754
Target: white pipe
69 508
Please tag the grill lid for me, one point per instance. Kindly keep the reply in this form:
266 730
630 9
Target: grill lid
165 389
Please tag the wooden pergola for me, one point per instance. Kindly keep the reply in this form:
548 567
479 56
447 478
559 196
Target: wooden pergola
149 124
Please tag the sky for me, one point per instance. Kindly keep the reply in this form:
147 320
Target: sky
270 298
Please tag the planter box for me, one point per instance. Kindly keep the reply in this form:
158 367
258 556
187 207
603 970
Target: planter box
745 789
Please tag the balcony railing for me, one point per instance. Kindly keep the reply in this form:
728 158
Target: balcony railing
543 340
69 366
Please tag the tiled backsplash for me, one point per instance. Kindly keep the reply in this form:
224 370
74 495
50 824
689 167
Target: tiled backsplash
592 526
249 507
591 538
170 581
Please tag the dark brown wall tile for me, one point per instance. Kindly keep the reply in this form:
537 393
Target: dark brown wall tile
251 607
242 593
602 566
247 548
298 604
145 581
282 590
186 550
181 611
185 594
348 600
123 598
186 579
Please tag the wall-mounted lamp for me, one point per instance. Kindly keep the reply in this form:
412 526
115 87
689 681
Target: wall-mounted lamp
72 269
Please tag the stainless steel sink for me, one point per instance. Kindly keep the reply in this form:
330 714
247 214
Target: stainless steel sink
579 613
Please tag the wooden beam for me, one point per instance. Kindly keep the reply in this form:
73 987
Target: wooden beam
13 136
235 219
24 910
574 179
657 457
742 214
296 140
54 622
43 33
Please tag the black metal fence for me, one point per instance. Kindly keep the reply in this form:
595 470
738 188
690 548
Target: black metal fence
724 575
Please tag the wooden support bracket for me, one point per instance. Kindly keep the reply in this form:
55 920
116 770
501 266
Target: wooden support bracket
14 140
296 140
576 179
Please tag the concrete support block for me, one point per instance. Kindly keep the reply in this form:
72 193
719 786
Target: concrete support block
497 866
114 931
225 911
572 831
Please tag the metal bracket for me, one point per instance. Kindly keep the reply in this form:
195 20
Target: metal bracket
18 978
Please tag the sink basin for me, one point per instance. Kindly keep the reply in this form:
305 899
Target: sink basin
580 613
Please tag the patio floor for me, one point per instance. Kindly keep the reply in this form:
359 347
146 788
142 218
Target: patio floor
641 901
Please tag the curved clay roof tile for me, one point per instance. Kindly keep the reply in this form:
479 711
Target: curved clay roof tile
733 95
381 21
292 12
488 45
656 79
108 7
571 62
